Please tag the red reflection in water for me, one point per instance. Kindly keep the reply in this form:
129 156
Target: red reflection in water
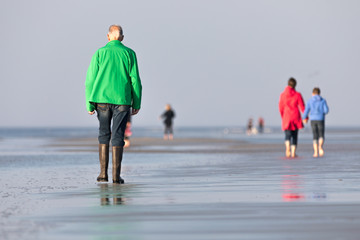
292 196
291 185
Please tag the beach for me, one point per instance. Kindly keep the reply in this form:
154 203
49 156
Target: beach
207 185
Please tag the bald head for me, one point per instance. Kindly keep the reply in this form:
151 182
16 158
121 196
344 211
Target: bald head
115 33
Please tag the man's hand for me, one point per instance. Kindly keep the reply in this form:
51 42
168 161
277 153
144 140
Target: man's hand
135 111
91 113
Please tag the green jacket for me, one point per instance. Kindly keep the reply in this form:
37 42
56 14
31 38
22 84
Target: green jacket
113 77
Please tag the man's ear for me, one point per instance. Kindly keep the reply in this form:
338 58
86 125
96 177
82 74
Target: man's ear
108 37
121 38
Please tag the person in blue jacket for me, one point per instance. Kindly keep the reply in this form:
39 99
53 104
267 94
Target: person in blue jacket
315 109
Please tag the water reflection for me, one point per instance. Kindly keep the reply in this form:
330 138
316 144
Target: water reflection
111 194
292 186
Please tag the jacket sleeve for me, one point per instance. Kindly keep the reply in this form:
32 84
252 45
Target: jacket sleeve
307 110
90 79
136 87
301 103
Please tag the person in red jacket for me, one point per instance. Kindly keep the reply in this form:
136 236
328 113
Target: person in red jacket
290 103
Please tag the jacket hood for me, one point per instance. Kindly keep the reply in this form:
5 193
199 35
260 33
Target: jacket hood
317 98
289 91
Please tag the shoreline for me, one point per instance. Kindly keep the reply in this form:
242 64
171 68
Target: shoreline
178 145
194 145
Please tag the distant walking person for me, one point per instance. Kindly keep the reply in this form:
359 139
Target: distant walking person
128 133
290 103
315 109
250 127
113 86
261 123
168 116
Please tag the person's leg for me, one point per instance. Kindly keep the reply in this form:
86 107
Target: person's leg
316 147
120 113
315 131
287 143
321 137
104 117
165 132
120 116
321 149
117 153
171 135
104 162
294 138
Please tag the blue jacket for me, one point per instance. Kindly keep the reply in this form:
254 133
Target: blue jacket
317 107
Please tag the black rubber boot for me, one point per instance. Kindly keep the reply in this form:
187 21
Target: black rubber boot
104 162
117 153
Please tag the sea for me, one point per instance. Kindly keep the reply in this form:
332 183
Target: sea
274 134
47 193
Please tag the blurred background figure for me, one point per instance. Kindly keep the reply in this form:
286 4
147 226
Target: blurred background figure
249 126
250 129
128 133
168 116
261 125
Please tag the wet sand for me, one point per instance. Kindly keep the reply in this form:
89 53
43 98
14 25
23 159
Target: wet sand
182 189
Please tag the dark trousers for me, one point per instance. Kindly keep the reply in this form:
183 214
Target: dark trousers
168 129
318 129
119 115
292 136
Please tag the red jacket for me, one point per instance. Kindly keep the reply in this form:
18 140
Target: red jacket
289 104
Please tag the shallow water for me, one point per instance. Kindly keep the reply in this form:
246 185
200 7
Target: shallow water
46 193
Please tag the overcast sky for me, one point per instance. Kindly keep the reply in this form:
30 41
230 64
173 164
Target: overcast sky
216 62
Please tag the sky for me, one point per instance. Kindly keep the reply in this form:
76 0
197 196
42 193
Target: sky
217 62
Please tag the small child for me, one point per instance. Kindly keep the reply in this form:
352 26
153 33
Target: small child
315 109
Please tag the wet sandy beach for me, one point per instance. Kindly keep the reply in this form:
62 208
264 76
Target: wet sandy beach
189 188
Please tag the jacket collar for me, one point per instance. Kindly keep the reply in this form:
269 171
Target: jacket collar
114 42
289 89
317 97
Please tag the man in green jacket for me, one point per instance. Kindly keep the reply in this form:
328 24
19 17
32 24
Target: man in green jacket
113 87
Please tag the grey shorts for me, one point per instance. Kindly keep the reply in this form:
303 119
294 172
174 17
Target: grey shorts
318 129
